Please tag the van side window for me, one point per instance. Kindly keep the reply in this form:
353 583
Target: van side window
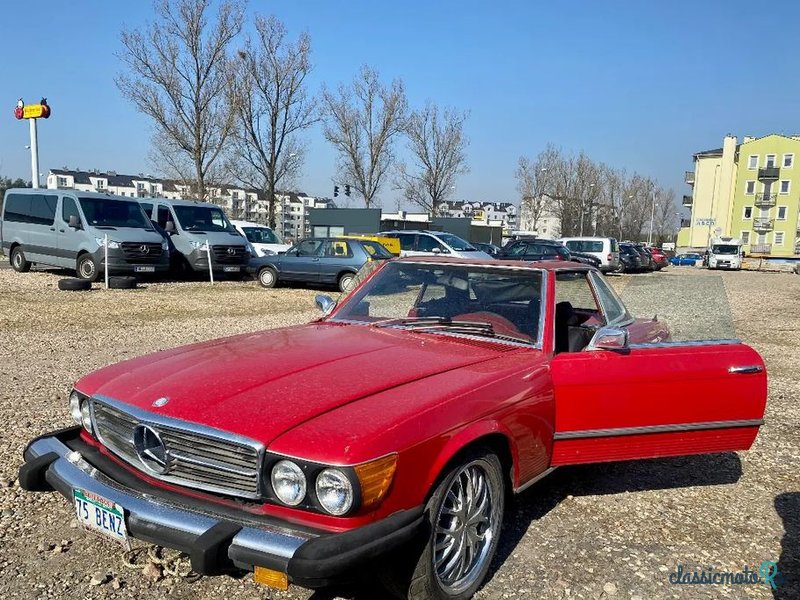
147 208
407 241
68 209
18 208
428 243
164 216
37 209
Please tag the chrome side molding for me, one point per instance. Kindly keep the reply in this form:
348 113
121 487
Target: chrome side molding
746 370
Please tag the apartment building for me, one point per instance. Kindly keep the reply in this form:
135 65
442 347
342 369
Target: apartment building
482 211
291 208
749 191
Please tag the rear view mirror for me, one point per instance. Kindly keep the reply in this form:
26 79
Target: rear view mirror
609 338
169 227
74 221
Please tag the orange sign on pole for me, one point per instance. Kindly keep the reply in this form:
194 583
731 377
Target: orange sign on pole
32 111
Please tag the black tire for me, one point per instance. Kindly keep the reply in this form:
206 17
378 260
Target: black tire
428 576
346 281
267 277
74 285
122 283
18 261
86 268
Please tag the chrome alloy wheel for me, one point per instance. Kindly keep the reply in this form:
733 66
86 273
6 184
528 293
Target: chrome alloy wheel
464 529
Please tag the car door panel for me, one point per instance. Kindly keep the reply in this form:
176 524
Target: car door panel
69 238
658 400
304 266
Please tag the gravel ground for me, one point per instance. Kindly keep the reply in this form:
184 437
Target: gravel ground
615 530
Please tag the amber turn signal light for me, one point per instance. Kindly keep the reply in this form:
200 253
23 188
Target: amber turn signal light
375 478
270 578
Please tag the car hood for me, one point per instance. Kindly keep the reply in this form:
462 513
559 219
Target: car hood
129 234
216 237
271 247
262 384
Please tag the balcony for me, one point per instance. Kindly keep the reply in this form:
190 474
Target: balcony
688 177
762 225
769 173
688 200
765 200
761 249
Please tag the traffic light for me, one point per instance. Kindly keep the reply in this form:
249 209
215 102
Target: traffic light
335 191
347 190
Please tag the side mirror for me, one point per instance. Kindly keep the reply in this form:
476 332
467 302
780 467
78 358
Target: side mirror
74 222
437 251
169 227
324 303
609 338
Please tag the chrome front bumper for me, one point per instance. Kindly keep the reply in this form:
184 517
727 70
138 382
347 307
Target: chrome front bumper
218 539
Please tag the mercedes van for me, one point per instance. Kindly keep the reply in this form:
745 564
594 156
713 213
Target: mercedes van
606 249
198 229
69 228
264 241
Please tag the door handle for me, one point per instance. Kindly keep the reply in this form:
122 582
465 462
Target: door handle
52 229
314 260
61 230
746 370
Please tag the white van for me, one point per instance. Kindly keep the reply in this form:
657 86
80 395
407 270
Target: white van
264 241
431 243
604 248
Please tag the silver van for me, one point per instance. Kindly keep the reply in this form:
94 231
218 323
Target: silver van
606 249
432 243
66 228
191 225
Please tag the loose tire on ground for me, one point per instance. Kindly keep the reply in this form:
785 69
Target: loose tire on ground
122 283
458 523
346 281
18 261
74 285
86 268
267 277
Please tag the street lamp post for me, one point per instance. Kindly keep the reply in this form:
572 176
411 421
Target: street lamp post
652 218
591 185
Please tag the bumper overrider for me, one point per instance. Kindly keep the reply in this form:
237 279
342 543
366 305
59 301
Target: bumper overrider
217 538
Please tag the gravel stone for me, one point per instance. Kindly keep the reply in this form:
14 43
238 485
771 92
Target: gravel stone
627 524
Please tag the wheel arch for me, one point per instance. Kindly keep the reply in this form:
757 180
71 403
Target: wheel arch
492 435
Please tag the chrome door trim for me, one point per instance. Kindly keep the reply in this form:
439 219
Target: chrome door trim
676 428
746 370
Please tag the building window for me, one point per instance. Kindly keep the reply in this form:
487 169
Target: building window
750 188
101 183
752 161
782 213
785 186
745 237
770 161
748 213
234 195
788 161
779 235
61 181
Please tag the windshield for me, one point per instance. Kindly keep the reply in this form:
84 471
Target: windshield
201 218
261 235
438 298
455 242
104 212
724 249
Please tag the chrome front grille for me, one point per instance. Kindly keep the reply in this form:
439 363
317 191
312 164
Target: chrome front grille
198 457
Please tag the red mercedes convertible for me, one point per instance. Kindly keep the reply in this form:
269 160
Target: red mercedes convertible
401 419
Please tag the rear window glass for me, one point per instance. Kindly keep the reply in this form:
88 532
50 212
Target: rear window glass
585 245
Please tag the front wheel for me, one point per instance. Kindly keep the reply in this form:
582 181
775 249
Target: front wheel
18 261
267 277
87 268
465 515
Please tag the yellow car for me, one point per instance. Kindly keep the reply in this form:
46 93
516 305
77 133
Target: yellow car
391 244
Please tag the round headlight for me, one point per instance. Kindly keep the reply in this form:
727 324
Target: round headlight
75 406
289 482
86 416
334 491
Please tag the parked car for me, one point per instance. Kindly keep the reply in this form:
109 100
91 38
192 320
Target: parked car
648 264
263 240
686 260
491 249
604 248
390 243
541 249
197 230
400 420
430 243
659 257
318 260
66 228
630 259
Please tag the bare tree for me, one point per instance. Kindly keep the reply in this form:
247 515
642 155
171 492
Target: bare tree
361 121
665 224
438 147
181 78
536 185
273 108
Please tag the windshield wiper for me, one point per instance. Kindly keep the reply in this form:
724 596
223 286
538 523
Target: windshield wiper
481 328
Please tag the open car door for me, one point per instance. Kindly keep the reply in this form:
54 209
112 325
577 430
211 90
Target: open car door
647 401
